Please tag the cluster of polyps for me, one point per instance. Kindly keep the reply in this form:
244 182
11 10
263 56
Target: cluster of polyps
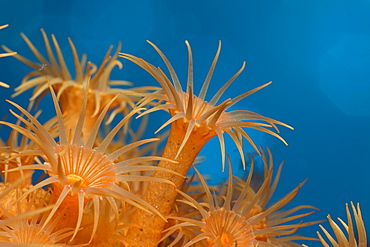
100 192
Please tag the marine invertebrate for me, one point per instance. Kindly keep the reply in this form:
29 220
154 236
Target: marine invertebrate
201 119
79 172
31 230
341 239
243 219
69 90
19 224
261 198
103 189
194 122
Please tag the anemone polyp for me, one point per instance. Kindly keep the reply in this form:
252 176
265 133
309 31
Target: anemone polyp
194 121
196 112
22 219
86 167
54 70
29 232
224 228
243 219
79 171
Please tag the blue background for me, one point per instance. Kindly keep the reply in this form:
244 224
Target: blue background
316 52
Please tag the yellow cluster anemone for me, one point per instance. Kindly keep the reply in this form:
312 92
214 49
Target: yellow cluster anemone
243 219
20 223
79 171
197 115
194 121
104 185
54 71
31 231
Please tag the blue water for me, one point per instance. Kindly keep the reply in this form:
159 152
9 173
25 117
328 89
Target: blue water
317 53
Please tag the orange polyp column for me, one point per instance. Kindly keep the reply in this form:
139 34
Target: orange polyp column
68 208
71 102
147 228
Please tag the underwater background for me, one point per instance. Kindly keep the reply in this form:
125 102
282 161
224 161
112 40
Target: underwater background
317 53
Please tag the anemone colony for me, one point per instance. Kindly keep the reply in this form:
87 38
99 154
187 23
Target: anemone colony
103 185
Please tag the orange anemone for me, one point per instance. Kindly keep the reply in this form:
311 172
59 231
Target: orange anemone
79 171
53 70
198 115
242 220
